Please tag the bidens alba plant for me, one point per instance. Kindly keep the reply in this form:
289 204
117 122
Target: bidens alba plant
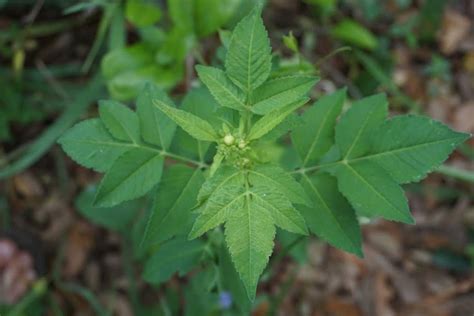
230 174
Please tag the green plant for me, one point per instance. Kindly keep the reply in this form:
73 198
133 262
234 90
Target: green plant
233 164
160 54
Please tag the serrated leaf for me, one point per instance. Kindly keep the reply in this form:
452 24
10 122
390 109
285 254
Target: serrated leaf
315 136
132 175
282 181
222 88
120 121
272 119
171 211
89 144
275 93
372 192
248 58
192 124
249 235
156 127
408 147
231 281
279 207
224 176
331 217
175 256
358 123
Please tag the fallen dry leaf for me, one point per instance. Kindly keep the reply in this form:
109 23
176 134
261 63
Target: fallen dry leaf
79 244
455 28
464 118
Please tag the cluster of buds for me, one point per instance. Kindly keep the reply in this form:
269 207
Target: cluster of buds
235 149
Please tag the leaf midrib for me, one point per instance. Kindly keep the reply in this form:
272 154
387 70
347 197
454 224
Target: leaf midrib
240 102
318 134
114 187
374 190
123 127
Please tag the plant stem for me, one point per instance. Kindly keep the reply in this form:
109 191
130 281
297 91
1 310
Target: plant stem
456 173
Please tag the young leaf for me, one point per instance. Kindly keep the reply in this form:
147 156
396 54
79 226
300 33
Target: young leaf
372 192
89 144
358 123
272 119
132 175
275 93
221 87
156 127
248 59
176 196
201 103
408 147
314 138
177 255
249 233
331 217
193 125
120 121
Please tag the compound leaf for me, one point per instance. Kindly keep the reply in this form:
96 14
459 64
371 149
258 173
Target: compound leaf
248 59
156 127
222 88
331 217
90 144
250 205
275 93
315 136
132 175
120 121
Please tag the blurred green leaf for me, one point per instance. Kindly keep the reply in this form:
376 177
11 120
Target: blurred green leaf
142 12
177 255
117 218
354 33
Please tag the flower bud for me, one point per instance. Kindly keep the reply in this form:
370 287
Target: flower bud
229 139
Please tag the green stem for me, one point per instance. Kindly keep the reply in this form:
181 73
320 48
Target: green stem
39 289
127 256
102 31
456 173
